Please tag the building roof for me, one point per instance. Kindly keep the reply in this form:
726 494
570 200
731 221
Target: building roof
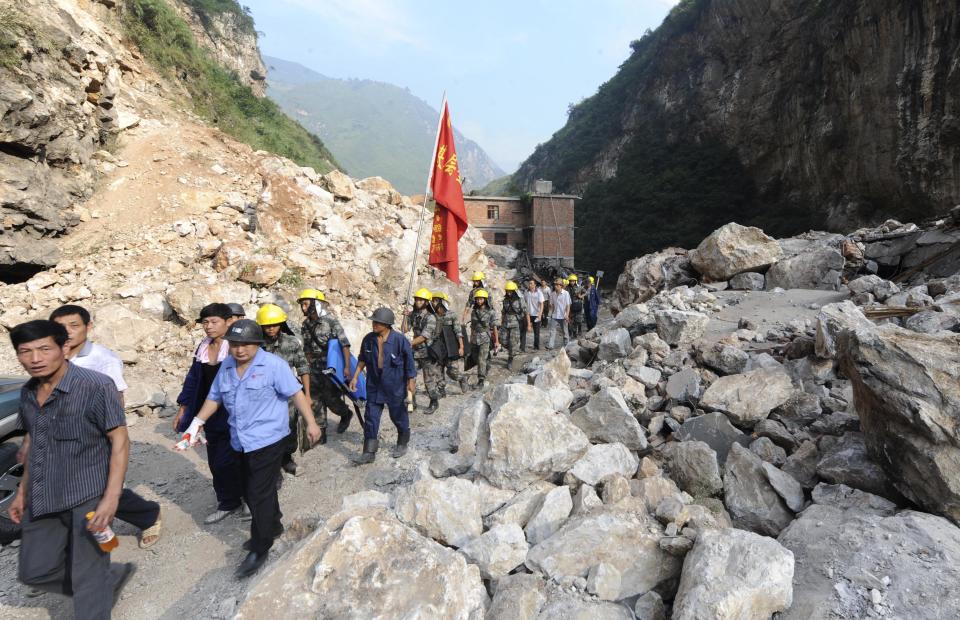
519 198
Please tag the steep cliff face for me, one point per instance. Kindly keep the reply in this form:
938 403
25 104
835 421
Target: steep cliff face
76 73
838 112
230 37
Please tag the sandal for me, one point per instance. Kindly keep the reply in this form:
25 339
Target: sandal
150 536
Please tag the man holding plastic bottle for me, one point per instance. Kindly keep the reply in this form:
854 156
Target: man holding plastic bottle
76 465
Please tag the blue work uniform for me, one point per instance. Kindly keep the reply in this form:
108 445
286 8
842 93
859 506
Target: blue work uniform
387 385
256 405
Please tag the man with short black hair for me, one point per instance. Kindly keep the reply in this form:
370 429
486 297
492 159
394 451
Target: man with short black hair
223 460
75 468
134 509
254 387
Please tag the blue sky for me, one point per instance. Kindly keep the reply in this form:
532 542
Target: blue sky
510 69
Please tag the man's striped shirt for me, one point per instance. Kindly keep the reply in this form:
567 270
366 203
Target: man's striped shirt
69 449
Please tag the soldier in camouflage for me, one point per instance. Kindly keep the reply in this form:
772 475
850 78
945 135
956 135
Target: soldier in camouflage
483 323
513 320
279 340
425 329
441 307
319 328
476 281
578 320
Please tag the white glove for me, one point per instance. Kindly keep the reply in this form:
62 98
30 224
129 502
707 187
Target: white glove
192 436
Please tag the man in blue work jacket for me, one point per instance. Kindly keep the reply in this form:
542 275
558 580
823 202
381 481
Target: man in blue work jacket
391 381
254 387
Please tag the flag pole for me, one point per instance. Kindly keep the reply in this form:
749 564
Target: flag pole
423 210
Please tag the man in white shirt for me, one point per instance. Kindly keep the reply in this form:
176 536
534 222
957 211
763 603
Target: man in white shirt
559 311
135 510
534 301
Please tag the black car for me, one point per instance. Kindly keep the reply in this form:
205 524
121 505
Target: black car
10 470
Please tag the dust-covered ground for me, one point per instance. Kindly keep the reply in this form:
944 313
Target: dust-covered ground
189 573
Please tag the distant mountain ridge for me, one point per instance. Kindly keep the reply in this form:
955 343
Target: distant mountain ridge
373 128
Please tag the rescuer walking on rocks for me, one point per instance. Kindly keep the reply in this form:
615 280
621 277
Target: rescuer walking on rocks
424 324
483 324
513 321
448 321
391 380
278 339
320 326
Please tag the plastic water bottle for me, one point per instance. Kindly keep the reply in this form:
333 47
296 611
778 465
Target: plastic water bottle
184 443
107 540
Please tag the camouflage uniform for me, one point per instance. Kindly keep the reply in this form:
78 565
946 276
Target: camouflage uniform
290 349
450 366
323 391
512 316
482 321
578 320
424 324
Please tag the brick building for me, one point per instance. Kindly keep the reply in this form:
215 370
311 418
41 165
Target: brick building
541 224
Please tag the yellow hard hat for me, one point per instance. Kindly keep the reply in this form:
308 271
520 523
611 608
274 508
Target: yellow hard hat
270 314
478 276
439 295
511 286
591 279
481 293
310 293
423 294
573 277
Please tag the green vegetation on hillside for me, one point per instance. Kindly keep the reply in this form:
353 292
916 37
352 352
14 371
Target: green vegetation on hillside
675 194
497 187
208 9
374 128
217 94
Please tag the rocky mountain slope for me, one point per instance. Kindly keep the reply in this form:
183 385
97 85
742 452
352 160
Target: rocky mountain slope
373 128
74 74
790 114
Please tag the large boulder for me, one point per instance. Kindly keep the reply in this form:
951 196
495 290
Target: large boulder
527 441
643 277
681 326
734 575
693 465
715 430
862 564
845 460
498 551
556 507
818 268
604 460
329 575
607 418
733 249
552 379
752 501
517 597
906 389
623 536
749 397
446 510
615 344
124 332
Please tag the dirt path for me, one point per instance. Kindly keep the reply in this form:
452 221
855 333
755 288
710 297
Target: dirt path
189 573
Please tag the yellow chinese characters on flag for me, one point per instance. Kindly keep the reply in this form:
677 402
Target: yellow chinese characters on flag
450 215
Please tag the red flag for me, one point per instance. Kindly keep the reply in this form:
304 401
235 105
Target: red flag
450 215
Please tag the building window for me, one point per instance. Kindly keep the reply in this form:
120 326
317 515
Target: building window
499 238
493 212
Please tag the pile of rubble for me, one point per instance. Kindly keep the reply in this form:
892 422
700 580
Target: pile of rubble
667 464
250 228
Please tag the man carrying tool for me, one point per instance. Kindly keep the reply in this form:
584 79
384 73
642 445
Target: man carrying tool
254 387
391 380
278 339
591 307
424 324
319 327
448 322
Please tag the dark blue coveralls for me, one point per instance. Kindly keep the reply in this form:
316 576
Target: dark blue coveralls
387 385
